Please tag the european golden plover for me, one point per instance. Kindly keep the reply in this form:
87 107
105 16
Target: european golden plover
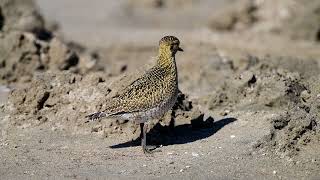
150 95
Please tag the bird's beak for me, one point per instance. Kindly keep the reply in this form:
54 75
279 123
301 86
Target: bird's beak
180 49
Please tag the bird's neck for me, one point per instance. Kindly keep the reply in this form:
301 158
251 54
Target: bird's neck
166 61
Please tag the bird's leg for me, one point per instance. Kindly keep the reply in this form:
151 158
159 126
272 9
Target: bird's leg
146 149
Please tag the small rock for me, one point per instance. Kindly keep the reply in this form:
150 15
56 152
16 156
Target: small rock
170 153
232 136
226 112
194 154
305 95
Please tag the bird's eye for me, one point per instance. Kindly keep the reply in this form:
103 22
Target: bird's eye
173 46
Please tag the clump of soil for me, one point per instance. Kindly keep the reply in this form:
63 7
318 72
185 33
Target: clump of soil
294 19
298 125
23 54
291 94
291 131
27 46
24 16
20 15
240 15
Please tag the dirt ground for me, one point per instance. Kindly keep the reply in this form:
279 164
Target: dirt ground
249 106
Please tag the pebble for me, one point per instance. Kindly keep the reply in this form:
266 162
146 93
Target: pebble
232 136
4 144
194 154
181 170
274 172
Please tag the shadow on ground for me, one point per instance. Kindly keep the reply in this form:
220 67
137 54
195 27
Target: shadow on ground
182 134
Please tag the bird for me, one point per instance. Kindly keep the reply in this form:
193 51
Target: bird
150 95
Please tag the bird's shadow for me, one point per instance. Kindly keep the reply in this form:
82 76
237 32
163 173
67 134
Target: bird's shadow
181 134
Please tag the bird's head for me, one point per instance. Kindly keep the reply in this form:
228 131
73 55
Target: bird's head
169 45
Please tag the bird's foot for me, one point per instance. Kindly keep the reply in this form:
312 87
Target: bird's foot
150 149
95 116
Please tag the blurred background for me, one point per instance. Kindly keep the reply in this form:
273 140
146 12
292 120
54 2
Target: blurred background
129 21
97 23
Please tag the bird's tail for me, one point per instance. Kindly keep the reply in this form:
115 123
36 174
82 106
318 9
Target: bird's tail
96 116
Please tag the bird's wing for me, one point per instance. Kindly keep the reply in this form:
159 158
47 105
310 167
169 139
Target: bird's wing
119 84
141 94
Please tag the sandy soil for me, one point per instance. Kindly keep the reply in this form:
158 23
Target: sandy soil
249 107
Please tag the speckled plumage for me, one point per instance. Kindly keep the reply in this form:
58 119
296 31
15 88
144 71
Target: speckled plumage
153 93
157 88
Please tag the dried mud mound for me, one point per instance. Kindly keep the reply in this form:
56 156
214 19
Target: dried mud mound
20 15
22 54
291 131
238 16
295 19
27 46
289 91
61 100
298 125
260 83
41 101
